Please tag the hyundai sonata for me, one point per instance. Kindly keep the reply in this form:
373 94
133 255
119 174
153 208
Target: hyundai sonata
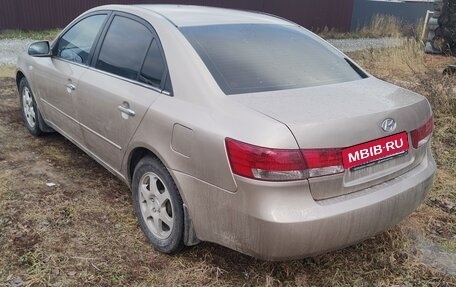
233 127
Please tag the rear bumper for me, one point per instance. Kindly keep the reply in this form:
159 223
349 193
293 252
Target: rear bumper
282 221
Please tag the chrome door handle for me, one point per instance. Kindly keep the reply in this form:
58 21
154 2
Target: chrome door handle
70 86
127 111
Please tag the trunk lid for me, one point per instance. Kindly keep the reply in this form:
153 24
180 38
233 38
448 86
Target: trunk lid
344 115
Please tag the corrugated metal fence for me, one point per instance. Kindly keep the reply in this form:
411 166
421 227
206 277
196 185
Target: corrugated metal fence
409 12
45 14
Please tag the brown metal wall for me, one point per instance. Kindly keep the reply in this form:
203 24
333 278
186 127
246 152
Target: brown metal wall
45 14
314 14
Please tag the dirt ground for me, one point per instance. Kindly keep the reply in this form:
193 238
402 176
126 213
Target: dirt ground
82 231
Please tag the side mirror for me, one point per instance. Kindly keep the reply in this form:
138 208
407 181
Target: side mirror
40 49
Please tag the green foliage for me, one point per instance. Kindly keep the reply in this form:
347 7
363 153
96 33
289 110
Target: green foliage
27 34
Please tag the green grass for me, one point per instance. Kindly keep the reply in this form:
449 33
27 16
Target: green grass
449 245
28 34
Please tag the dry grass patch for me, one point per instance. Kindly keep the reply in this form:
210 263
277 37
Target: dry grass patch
7 71
380 26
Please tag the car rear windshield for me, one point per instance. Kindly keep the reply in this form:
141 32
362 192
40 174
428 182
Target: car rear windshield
250 58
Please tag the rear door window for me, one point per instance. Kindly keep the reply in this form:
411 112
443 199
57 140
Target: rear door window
124 48
154 66
76 43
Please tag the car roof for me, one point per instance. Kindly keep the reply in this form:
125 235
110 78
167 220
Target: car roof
191 15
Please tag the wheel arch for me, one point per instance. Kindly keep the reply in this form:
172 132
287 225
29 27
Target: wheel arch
136 154
19 77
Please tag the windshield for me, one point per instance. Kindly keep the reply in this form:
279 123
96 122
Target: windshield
250 58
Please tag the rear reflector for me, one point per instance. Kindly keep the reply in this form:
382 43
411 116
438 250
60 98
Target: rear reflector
420 135
281 164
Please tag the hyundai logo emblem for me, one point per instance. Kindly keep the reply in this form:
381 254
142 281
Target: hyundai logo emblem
389 125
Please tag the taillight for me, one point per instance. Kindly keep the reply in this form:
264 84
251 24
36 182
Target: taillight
419 136
264 163
281 164
323 161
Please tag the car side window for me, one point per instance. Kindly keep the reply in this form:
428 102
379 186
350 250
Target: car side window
124 48
76 43
154 66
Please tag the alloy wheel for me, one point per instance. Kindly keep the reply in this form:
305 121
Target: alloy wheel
29 109
156 206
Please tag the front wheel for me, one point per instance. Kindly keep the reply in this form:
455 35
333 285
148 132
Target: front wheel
29 108
158 205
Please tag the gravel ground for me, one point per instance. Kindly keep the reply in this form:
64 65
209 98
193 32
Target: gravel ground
10 49
352 45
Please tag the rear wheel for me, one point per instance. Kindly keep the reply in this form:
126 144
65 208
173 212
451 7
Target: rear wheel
158 205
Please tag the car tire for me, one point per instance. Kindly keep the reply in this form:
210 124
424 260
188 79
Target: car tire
29 109
158 205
